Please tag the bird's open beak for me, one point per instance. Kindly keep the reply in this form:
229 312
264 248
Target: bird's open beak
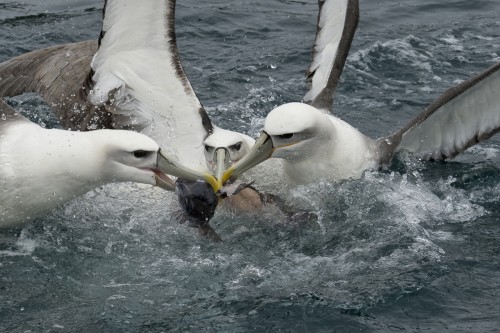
166 165
261 151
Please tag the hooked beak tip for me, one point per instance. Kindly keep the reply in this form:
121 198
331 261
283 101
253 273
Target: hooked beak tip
216 185
261 151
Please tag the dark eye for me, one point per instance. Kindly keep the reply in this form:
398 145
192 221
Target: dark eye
285 136
141 153
209 148
236 146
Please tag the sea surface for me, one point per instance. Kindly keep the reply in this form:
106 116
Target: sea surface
412 249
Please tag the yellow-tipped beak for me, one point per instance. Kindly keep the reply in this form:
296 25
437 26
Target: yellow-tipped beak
221 163
169 166
261 151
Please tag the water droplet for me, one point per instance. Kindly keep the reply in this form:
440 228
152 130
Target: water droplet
273 66
4 117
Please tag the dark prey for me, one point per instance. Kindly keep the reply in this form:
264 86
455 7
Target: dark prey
198 202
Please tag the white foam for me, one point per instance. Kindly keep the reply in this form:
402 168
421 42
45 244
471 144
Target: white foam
399 50
483 151
418 203
25 245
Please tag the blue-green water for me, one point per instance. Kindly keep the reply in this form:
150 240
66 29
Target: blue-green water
413 249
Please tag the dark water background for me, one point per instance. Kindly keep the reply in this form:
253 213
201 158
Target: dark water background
413 249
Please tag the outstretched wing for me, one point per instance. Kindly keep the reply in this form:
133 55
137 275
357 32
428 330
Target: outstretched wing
137 71
337 22
461 117
60 75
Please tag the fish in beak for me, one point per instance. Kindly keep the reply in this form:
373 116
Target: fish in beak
166 165
261 151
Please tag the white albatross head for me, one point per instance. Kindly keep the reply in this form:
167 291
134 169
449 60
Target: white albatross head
225 148
127 156
131 156
296 130
292 131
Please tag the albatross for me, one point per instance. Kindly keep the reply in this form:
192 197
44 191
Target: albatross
314 143
41 169
130 78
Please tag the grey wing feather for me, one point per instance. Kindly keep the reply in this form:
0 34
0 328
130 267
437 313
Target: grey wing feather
461 117
61 75
337 23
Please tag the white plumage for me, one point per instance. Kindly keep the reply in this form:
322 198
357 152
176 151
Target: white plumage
41 169
315 144
132 78
322 146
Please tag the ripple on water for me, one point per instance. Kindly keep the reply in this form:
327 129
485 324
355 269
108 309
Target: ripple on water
117 259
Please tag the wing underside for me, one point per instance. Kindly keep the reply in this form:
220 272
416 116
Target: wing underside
337 23
137 71
461 117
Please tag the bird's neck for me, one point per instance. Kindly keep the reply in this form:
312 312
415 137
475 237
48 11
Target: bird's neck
46 168
341 152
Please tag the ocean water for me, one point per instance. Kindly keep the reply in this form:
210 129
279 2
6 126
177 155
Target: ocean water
415 248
